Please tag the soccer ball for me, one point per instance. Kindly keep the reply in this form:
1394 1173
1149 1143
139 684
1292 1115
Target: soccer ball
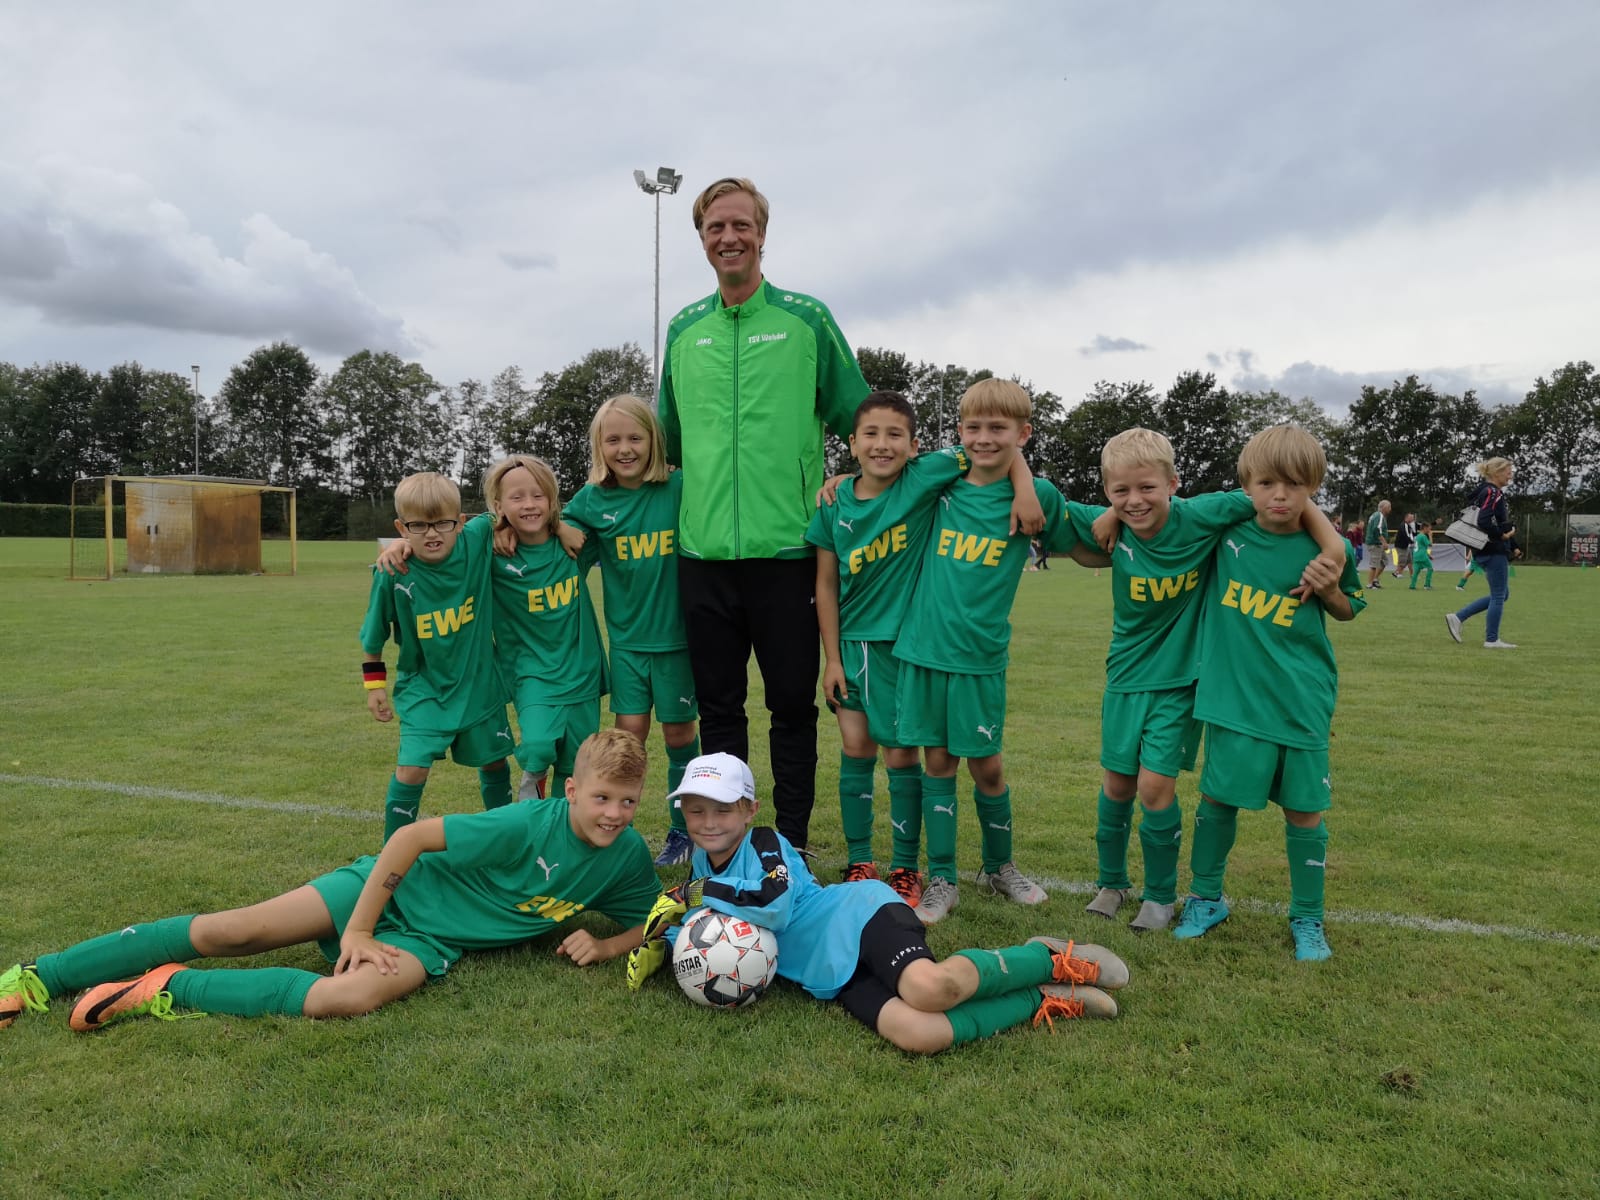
724 962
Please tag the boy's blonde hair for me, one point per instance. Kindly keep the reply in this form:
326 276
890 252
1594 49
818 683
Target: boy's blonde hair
426 496
1284 452
542 475
996 398
1138 447
655 463
612 754
1493 466
722 187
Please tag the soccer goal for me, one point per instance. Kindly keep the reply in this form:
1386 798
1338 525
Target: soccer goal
181 525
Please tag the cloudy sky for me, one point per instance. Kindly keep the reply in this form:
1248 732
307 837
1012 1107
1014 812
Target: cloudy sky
1306 197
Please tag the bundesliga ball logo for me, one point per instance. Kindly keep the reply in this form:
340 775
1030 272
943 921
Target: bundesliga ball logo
724 962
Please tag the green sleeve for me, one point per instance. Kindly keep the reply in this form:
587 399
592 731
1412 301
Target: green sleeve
380 621
1350 580
667 406
1057 535
929 474
580 509
819 532
1214 513
840 385
1082 518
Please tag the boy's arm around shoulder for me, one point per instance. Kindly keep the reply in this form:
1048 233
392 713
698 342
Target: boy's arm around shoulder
1027 513
1338 588
1330 551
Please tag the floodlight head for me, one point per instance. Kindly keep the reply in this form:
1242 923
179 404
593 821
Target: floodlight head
644 184
667 180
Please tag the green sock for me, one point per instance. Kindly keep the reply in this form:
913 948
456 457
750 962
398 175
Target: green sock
113 957
855 805
1006 970
678 760
939 823
1160 836
905 815
994 822
494 787
1215 827
1308 857
974 1019
401 805
251 992
1114 820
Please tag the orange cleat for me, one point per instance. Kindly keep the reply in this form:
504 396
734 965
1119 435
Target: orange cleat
146 995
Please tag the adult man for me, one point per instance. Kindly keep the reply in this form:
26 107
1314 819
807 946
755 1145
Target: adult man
752 377
1378 543
1405 539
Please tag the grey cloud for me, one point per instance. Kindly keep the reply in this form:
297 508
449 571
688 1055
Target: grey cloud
518 261
1335 390
1110 345
122 256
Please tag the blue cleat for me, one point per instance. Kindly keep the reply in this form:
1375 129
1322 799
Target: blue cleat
1200 917
1310 940
677 850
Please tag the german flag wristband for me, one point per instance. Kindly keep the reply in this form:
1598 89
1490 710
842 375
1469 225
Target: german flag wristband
374 675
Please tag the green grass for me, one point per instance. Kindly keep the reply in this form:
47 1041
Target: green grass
1420 1061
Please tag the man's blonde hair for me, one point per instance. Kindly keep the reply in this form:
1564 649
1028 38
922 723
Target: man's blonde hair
426 496
612 754
494 478
996 398
1284 452
1490 467
1138 447
655 462
723 187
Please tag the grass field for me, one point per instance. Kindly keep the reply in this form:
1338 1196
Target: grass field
218 751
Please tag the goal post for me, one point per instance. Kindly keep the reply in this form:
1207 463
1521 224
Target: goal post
180 525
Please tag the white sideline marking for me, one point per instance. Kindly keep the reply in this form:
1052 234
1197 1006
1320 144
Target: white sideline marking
213 798
1362 917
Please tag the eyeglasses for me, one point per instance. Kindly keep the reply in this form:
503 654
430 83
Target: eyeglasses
425 526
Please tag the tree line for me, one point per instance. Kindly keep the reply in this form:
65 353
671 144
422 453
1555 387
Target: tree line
344 438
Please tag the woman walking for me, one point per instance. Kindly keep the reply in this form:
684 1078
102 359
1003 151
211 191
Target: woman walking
1494 558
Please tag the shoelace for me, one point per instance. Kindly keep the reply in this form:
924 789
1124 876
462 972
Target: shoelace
1309 931
159 1006
1074 970
1012 881
1057 1006
857 872
31 989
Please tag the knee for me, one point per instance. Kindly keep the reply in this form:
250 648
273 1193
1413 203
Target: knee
225 934
928 987
344 996
411 776
915 1032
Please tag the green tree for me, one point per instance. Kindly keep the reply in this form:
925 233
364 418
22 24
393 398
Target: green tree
885 370
1204 425
49 431
389 420
1108 409
469 402
273 425
1564 410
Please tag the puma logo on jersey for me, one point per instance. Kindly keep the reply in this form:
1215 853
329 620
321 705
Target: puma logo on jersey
608 516
548 867
1126 549
1235 547
988 731
406 588
850 525
505 733
515 570
686 701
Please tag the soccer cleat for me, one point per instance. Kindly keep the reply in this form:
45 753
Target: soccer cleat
1310 940
1085 963
1453 624
1107 900
1461 587
1013 885
1374 586
1153 916
1200 917
857 872
1071 1001
908 884
21 991
144 996
939 900
1499 644
677 849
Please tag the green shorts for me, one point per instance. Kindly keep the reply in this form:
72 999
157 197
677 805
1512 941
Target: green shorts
963 714
642 680
552 733
872 675
1246 772
342 888
486 742
1153 730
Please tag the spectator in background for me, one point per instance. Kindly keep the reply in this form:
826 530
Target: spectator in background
1494 559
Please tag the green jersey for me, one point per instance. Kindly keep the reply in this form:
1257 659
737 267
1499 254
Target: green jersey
1422 553
880 542
545 628
513 873
960 615
1158 587
1266 666
1377 528
747 393
440 615
636 533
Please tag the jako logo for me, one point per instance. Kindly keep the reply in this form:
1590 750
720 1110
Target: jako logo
703 342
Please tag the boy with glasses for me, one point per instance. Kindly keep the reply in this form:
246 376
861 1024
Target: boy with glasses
448 691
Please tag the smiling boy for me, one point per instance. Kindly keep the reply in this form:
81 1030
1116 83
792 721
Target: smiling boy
439 888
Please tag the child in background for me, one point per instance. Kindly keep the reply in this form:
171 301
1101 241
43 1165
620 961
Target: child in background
448 689
1422 558
1267 686
630 506
857 942
440 888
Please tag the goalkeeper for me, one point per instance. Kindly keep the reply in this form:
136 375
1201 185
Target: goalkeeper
440 887
859 942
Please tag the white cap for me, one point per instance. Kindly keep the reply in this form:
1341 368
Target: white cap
721 777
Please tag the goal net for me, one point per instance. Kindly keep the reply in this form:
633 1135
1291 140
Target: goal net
180 525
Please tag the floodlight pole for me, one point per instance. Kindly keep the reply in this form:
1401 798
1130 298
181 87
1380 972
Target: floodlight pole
667 181
196 369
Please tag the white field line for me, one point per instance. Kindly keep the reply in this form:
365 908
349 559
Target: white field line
1072 887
